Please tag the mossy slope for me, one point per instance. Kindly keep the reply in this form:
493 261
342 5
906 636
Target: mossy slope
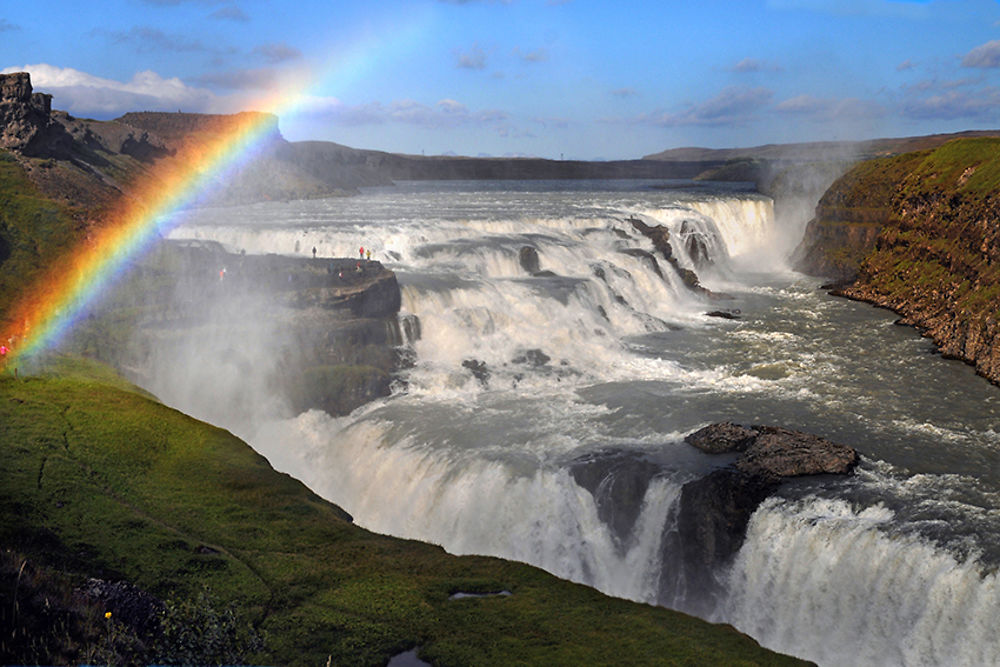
100 479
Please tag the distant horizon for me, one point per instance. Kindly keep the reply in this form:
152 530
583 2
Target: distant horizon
554 79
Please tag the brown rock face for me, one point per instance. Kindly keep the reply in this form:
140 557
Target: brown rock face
23 116
779 452
775 452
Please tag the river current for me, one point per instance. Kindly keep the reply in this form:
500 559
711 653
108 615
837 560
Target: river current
604 354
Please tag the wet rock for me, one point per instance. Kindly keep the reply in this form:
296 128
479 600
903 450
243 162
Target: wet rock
618 481
479 370
695 243
724 314
714 511
528 257
711 525
658 234
534 358
773 451
722 438
780 452
647 257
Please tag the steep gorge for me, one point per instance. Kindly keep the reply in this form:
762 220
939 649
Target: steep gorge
918 233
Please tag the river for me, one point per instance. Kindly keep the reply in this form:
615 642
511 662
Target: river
604 356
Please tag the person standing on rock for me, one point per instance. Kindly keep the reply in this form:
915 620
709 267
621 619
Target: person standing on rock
368 254
361 252
314 252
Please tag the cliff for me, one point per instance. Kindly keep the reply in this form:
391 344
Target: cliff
918 234
316 332
850 215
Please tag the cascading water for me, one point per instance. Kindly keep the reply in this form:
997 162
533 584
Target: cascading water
544 417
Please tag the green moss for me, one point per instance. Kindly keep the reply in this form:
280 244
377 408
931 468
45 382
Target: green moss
99 478
34 231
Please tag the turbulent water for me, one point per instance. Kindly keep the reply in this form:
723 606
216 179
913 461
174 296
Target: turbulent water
599 364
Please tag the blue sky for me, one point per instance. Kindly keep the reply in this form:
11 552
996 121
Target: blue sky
572 78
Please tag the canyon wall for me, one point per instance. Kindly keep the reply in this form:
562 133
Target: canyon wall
919 233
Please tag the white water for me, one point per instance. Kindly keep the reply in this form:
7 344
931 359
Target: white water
896 565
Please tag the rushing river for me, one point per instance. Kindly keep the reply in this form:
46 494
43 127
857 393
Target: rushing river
604 355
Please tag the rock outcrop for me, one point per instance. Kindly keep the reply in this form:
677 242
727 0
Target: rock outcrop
319 333
715 509
660 237
775 452
25 116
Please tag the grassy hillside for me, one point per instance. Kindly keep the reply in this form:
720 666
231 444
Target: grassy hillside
34 230
99 479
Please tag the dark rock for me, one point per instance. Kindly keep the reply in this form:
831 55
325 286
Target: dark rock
647 257
714 510
127 603
772 451
721 438
711 526
618 481
528 257
25 117
534 358
695 244
479 370
659 235
780 452
724 314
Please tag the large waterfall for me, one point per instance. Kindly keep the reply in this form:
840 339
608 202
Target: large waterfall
559 364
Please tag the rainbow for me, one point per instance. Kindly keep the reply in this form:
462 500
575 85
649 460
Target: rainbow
49 309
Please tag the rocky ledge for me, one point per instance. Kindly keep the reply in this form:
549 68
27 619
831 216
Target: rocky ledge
774 452
715 510
324 332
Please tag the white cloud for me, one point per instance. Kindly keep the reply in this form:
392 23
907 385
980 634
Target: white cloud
83 94
445 114
985 55
952 104
474 58
732 106
830 110
754 65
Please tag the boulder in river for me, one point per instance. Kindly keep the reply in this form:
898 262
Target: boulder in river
773 451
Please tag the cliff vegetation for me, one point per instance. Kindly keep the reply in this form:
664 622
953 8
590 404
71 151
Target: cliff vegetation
918 233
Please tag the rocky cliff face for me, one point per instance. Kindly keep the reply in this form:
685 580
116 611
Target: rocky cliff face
918 234
311 332
24 115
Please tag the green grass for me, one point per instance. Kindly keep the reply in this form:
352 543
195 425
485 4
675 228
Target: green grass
99 479
34 231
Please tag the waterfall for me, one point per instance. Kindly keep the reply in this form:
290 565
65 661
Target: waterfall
820 568
544 415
